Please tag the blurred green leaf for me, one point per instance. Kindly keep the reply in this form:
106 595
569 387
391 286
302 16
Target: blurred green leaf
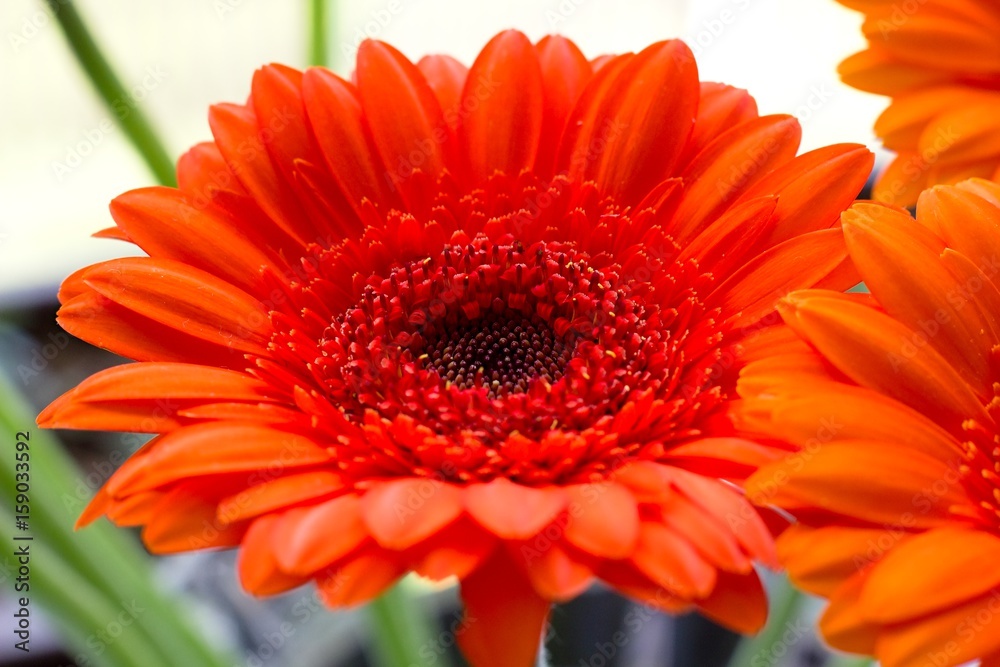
96 584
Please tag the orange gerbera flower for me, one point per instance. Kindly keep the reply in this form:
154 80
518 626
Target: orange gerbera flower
480 323
894 401
939 60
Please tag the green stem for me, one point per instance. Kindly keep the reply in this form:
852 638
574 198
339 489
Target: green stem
401 629
116 98
786 603
318 29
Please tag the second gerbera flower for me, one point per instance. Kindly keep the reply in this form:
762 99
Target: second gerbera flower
478 323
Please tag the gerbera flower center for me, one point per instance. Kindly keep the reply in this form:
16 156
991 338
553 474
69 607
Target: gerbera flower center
486 335
501 352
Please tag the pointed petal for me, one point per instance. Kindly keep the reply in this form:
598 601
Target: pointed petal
753 291
213 448
182 521
502 131
279 493
186 299
407 124
630 136
344 139
236 133
728 166
565 73
930 573
844 624
878 352
849 479
913 286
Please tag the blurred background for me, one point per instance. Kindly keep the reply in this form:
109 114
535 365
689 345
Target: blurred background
63 157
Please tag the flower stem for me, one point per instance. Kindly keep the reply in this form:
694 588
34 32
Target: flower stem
786 603
318 29
401 629
116 98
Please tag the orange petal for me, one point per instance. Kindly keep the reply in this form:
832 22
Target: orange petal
728 506
715 542
213 448
278 103
184 298
878 352
913 286
670 561
256 564
184 521
720 107
455 551
279 493
555 572
512 511
236 133
344 139
813 188
728 166
753 291
819 560
966 631
502 131
171 225
633 132
844 624
738 602
870 481
363 577
504 616
565 73
404 115
604 519
967 222
930 573
401 513
105 324
316 536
